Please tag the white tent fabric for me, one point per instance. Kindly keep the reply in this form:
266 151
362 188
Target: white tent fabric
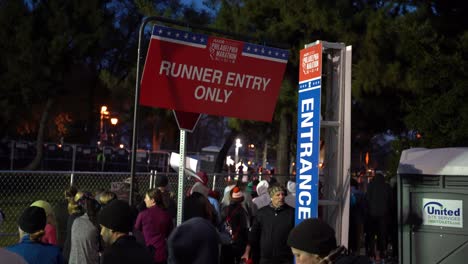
442 161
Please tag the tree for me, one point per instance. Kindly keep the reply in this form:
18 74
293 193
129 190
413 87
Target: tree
295 24
53 40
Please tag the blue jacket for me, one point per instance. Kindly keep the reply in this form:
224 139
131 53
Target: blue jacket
37 252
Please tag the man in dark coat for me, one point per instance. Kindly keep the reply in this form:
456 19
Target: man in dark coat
116 220
270 229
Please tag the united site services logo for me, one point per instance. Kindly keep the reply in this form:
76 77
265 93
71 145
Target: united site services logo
439 212
435 208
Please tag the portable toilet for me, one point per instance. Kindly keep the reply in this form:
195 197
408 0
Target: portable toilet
432 197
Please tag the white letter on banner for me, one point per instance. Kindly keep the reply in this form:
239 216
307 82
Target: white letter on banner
226 95
266 81
303 201
306 165
217 76
229 78
165 66
303 212
257 83
202 89
309 134
307 119
207 75
306 149
305 184
307 105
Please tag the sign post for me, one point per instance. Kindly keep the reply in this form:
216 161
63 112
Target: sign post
308 132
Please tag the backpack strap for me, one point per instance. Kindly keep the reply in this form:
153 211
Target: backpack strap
228 219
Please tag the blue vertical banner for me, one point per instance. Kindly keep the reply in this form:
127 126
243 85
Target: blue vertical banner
308 132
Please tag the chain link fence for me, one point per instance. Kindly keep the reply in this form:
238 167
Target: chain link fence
18 189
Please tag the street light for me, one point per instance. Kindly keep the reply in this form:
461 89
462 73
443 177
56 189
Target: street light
114 121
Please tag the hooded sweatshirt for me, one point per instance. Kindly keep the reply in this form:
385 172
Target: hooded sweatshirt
263 198
290 199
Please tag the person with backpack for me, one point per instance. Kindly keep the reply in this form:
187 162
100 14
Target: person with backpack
236 225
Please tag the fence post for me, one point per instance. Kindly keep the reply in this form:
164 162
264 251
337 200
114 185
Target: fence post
152 181
214 182
72 175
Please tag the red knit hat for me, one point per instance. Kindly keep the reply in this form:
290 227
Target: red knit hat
237 195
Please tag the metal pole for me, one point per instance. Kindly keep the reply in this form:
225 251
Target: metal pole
180 189
12 154
151 179
214 182
103 158
72 176
135 110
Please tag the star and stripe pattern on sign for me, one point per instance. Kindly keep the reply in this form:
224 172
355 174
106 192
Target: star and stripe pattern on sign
311 84
179 36
263 52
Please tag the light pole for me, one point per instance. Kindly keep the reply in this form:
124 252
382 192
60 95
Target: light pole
238 145
114 121
104 114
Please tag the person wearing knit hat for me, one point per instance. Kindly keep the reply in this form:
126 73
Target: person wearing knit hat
271 228
116 220
195 241
161 181
31 228
236 225
50 230
237 195
311 241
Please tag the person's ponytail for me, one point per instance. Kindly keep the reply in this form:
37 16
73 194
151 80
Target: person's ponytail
36 236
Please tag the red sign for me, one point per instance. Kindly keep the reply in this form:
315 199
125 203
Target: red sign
311 63
186 121
197 73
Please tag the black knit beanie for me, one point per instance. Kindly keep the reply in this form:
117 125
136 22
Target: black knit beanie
116 216
161 181
32 219
313 236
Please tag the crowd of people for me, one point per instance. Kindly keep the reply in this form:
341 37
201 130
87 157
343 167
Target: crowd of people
253 222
